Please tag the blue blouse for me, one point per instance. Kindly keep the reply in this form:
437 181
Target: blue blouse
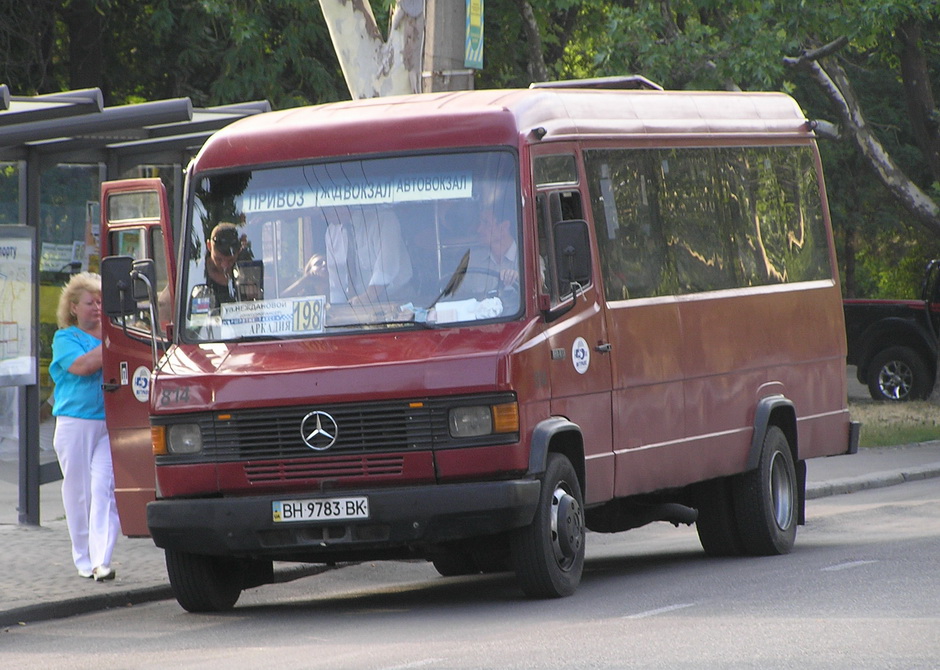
77 396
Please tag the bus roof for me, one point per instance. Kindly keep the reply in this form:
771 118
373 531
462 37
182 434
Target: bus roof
499 117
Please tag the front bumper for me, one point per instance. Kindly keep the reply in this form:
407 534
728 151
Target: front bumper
402 520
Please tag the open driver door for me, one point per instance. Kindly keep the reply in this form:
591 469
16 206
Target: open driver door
135 223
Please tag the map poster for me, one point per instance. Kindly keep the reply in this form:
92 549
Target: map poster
17 298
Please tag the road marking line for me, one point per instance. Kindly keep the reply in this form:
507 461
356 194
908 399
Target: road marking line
423 663
661 610
846 566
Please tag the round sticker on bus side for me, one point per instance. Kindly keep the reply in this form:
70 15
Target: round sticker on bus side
141 384
580 355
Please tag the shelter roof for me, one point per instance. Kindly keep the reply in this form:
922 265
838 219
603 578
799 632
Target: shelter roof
75 125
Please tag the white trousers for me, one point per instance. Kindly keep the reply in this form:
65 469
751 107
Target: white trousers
84 453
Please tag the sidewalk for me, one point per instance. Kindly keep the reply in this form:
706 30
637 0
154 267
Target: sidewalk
38 581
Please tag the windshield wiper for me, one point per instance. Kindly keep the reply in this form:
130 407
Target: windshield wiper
455 280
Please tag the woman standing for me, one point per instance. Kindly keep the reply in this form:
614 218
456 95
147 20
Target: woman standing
81 436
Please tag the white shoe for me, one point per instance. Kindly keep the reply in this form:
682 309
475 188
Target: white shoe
86 574
103 572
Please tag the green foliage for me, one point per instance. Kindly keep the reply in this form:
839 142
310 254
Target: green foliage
224 51
213 51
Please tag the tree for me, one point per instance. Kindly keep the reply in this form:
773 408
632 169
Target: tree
213 51
373 66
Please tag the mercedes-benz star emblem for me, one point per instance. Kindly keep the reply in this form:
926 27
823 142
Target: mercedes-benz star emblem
319 431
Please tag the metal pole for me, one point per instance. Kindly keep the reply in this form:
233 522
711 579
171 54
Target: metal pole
444 48
29 479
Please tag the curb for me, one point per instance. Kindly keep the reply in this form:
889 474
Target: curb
873 481
83 605
135 596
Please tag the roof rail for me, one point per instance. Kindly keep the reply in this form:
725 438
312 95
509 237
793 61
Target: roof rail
633 81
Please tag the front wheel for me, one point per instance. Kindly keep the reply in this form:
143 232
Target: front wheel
898 374
203 583
548 554
766 500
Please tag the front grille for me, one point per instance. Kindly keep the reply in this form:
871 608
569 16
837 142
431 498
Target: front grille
323 468
272 434
371 438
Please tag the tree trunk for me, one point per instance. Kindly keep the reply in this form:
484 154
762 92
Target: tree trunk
86 55
538 71
919 94
372 66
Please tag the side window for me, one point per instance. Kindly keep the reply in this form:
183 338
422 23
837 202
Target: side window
690 220
139 243
701 246
625 198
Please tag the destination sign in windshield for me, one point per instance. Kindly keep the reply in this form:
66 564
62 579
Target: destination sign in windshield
365 191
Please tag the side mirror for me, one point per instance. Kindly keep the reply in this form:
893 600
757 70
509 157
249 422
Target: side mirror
117 295
572 252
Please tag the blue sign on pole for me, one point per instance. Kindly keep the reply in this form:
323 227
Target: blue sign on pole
473 50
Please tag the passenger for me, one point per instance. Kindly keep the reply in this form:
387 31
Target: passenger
81 440
314 280
223 247
366 257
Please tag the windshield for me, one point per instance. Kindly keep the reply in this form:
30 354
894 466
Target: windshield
417 241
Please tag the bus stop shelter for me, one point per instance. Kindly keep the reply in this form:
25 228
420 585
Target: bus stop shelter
39 134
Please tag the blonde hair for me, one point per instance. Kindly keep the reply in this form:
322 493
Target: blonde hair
82 281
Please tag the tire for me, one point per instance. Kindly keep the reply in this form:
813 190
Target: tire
548 554
766 500
717 525
453 564
898 374
203 583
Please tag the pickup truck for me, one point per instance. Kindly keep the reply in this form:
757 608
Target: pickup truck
893 343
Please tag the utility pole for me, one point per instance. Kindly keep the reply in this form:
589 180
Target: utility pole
445 37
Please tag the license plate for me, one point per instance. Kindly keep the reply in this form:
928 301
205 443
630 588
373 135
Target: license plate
321 509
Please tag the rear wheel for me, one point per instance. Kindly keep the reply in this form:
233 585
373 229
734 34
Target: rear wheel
766 500
548 555
898 374
203 583
454 564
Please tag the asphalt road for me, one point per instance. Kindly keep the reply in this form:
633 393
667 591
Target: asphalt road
859 591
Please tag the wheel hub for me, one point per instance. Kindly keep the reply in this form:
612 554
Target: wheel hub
567 526
895 380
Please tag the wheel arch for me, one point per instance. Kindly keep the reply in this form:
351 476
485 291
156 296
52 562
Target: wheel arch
778 410
895 332
775 410
557 435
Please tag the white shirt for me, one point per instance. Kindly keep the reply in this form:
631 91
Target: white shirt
379 253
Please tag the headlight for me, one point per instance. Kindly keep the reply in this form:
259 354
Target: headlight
484 420
470 421
184 438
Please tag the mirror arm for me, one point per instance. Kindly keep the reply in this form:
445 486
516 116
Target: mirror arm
154 324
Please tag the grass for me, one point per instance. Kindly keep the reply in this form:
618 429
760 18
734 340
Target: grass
886 424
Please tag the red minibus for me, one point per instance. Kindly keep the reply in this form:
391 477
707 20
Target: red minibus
469 327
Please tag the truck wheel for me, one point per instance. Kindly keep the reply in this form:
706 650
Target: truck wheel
548 554
766 499
898 374
203 583
454 564
716 524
